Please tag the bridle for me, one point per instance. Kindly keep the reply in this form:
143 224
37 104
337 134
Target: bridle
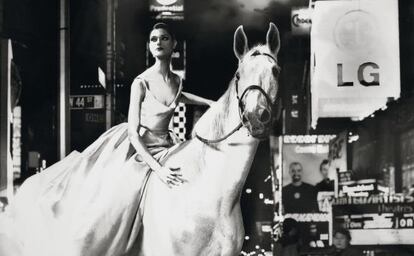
241 105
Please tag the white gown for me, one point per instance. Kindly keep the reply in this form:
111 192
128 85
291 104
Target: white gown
88 204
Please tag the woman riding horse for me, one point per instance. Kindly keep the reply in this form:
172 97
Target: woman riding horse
104 201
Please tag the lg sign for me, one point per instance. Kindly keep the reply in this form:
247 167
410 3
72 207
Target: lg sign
367 73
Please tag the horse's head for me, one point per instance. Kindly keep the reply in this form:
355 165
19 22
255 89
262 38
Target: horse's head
256 81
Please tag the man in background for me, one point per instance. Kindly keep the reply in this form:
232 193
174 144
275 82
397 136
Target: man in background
298 196
326 184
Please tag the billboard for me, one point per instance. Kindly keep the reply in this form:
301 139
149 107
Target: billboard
308 187
308 181
355 62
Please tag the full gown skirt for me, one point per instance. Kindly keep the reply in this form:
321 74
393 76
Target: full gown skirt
88 204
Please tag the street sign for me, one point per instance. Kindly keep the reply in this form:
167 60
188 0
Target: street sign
87 102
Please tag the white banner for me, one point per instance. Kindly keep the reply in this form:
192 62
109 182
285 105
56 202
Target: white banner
354 56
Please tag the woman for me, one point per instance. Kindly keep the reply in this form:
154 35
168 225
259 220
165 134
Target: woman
89 203
157 90
342 243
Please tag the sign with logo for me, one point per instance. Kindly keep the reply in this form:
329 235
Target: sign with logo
354 57
301 21
360 188
167 9
376 219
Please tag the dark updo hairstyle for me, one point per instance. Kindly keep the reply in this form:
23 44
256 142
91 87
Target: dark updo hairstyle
166 27
344 232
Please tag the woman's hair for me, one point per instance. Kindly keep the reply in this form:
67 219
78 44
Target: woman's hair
166 27
344 232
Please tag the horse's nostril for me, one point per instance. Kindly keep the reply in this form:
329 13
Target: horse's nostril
264 115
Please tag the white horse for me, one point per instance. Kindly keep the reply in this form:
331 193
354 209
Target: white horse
203 216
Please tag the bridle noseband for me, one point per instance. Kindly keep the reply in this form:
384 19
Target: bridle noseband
241 104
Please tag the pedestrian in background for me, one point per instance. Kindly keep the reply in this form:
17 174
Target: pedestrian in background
342 243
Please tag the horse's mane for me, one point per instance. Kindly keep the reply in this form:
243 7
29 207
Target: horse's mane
217 114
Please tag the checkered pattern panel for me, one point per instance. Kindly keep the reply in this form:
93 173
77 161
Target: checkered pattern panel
179 120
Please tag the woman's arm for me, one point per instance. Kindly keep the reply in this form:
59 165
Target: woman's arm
134 118
189 98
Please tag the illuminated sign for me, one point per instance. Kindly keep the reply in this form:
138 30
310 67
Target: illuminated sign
307 139
301 21
355 64
17 142
167 9
166 2
309 217
390 218
360 188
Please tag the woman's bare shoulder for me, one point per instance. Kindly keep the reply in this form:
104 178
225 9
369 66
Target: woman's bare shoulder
138 88
144 75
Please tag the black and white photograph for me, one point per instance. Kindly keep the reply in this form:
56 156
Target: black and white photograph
206 128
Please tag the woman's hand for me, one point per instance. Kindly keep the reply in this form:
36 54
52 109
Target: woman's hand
170 176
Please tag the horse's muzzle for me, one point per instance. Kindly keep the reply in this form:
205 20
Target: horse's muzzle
258 122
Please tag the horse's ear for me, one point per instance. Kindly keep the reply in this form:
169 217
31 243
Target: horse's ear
273 39
240 45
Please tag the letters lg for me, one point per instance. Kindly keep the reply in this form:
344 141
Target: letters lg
372 80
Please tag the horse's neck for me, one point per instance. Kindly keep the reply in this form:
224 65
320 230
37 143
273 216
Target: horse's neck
226 164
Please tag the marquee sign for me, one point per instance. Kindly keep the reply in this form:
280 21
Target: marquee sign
376 219
354 57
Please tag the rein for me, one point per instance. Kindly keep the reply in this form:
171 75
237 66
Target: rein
240 104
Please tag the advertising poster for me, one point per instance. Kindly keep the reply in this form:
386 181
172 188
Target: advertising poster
308 181
377 219
308 186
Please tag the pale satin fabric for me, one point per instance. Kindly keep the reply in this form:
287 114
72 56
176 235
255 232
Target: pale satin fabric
88 204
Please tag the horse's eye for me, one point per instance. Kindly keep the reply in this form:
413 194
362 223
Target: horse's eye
276 71
237 75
